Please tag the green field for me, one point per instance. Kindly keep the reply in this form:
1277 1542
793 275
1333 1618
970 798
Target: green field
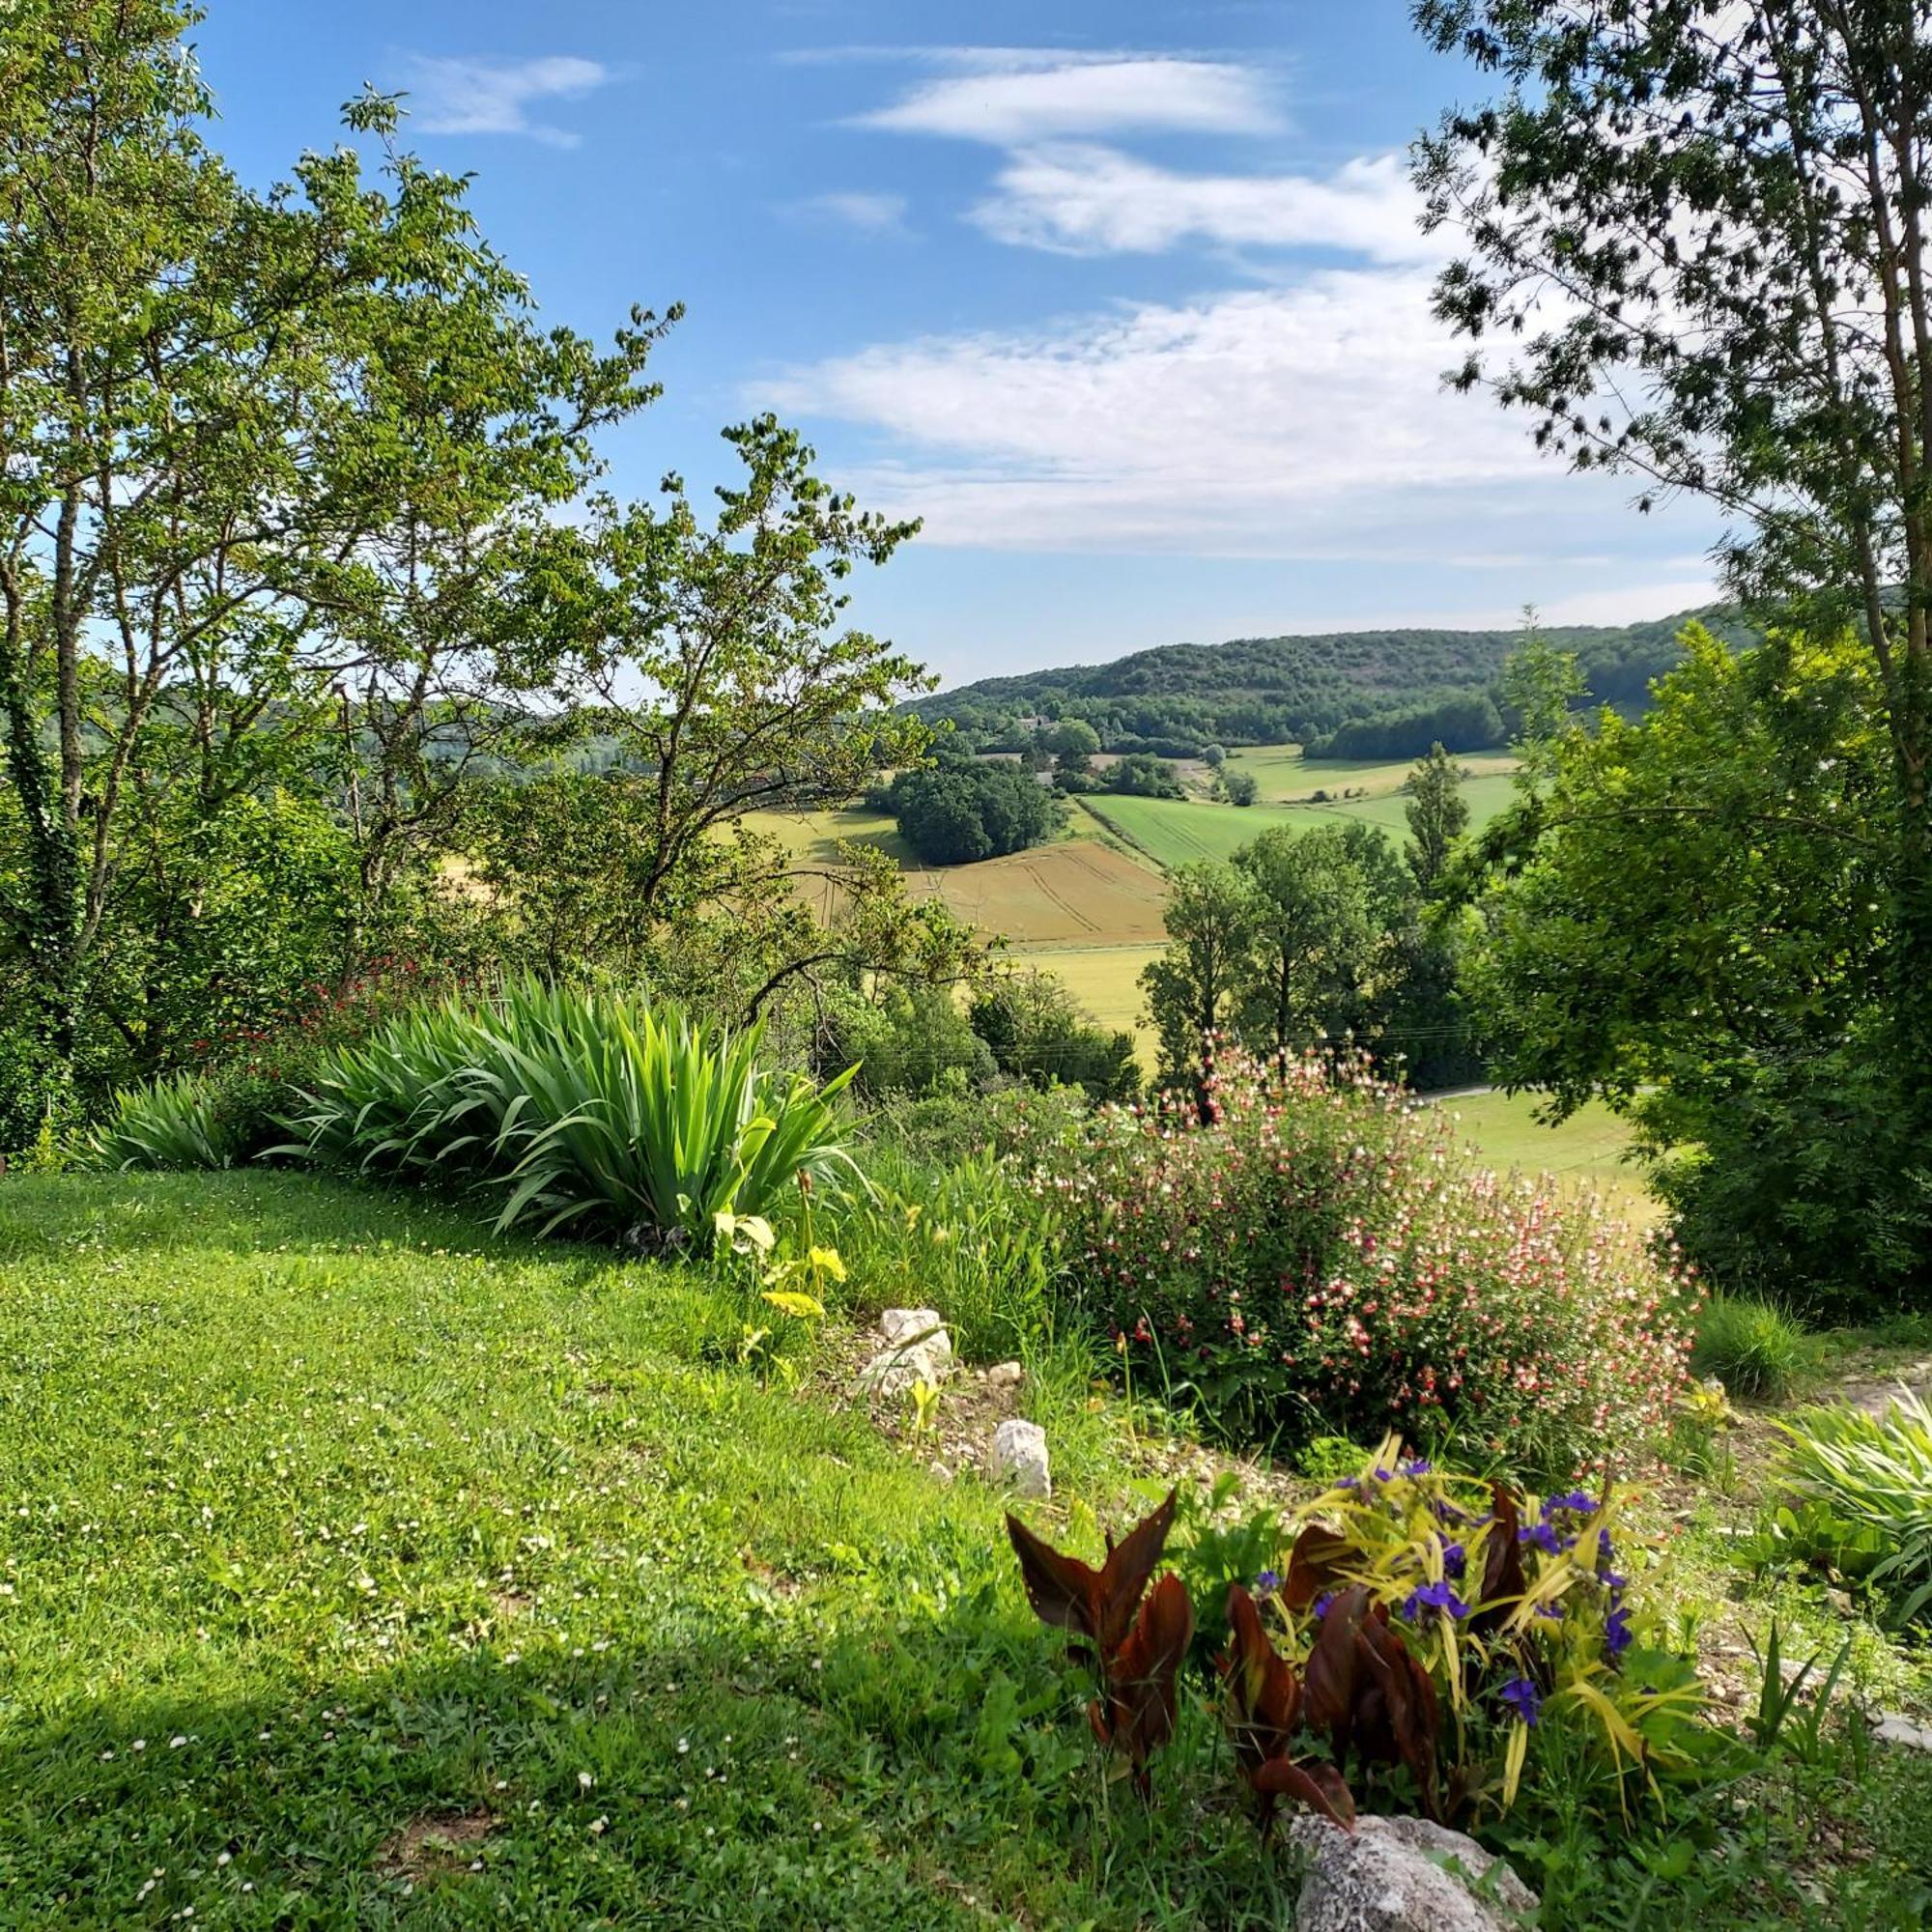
1174 831
1285 775
1583 1152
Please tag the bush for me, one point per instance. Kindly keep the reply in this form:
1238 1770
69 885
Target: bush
904 1040
177 1123
1321 1260
1872 1471
591 1109
1752 1346
1141 775
1038 1033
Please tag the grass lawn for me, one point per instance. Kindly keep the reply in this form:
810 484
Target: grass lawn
358 1570
361 1571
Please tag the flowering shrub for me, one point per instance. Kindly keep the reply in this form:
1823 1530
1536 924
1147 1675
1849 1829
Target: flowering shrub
1317 1258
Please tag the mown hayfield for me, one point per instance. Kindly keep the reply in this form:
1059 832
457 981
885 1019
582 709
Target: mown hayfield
1078 890
1106 982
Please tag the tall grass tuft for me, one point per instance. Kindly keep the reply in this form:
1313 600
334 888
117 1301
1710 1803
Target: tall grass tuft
1874 1470
174 1123
593 1111
1752 1346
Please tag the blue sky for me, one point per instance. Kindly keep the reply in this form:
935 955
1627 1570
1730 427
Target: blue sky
1126 301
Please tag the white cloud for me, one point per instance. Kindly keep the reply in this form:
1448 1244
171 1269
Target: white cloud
460 96
1011 105
870 213
1308 420
1086 200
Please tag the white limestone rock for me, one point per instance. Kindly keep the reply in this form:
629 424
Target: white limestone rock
1020 1458
1393 1875
918 1350
1894 1727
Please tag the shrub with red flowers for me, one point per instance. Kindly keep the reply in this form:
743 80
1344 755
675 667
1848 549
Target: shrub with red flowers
1316 1257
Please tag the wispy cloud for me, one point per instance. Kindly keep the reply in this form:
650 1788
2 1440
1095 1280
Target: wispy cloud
1086 200
870 213
1014 105
473 96
1302 422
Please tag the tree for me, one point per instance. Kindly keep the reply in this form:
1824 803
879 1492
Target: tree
1701 936
1074 742
1193 989
1319 938
1240 787
226 419
1437 813
1141 775
1700 235
964 809
1037 1032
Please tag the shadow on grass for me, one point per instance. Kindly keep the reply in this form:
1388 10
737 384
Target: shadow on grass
897 1771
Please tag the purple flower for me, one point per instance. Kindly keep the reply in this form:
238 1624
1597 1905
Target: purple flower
1522 1697
1544 1537
1267 1583
1381 1475
1319 1608
1420 1465
1575 1500
1617 1633
1455 1558
1553 1612
1434 1597
1604 1549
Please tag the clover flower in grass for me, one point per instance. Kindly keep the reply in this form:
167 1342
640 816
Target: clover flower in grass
1522 1697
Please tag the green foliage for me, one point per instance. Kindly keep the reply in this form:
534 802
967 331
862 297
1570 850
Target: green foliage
1239 788
1437 814
1752 1346
1139 775
1464 724
174 1123
586 1110
964 1238
1532 1620
902 1040
1177 699
1321 1260
967 810
1038 1033
1813 1536
1872 1471
1713 960
1194 988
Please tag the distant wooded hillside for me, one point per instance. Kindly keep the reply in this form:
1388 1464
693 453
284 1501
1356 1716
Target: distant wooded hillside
1350 693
